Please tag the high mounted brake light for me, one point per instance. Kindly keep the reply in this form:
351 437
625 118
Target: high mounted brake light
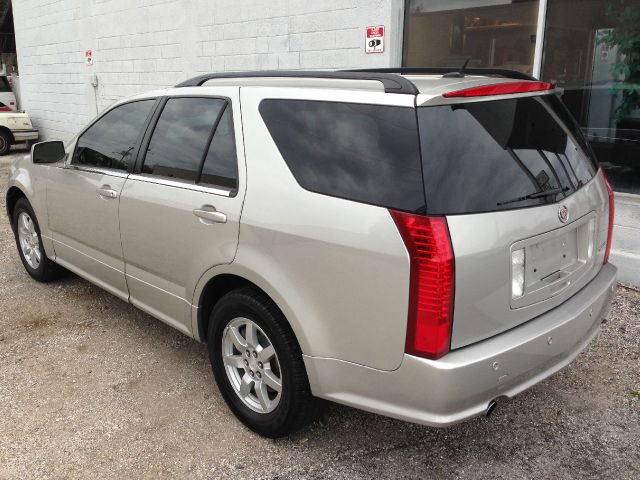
501 89
431 288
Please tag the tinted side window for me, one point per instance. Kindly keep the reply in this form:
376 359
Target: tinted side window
5 86
178 143
366 153
221 165
111 141
498 155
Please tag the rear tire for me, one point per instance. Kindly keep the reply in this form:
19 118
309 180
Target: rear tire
29 243
251 343
5 142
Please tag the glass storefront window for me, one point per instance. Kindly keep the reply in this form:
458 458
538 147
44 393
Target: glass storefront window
592 50
491 33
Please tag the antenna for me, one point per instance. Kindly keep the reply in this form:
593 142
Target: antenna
459 73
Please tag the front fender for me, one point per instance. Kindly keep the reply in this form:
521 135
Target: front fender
19 175
20 178
34 187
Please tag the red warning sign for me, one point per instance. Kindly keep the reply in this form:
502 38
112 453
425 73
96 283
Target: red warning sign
374 40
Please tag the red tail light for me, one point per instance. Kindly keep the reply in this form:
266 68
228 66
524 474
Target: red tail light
431 290
611 213
501 89
4 108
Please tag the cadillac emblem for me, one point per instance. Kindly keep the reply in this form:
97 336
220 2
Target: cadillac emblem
563 214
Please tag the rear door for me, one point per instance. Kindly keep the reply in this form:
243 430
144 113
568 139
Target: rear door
524 204
180 213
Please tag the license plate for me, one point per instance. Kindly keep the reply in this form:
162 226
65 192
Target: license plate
555 260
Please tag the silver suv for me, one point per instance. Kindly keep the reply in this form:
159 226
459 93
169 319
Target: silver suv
417 245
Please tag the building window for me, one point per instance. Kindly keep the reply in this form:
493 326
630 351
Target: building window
489 33
595 57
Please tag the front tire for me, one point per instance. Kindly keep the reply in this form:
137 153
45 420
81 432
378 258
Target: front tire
5 142
29 243
257 364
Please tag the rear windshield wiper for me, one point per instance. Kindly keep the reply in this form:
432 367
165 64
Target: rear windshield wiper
544 193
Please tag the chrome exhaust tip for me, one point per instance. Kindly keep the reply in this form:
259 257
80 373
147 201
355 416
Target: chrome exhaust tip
491 408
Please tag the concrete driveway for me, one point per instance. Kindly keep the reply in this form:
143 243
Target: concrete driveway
92 388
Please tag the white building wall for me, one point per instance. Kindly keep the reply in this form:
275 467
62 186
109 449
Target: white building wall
140 45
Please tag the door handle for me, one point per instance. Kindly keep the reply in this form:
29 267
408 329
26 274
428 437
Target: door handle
106 191
208 215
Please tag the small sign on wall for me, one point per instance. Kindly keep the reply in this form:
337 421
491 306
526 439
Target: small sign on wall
374 39
88 55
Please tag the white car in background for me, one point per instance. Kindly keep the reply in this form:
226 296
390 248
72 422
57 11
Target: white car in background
8 101
15 126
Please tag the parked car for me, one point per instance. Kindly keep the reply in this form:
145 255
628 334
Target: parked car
8 101
416 245
15 127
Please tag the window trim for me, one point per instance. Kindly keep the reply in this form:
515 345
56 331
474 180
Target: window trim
136 148
178 182
207 188
114 172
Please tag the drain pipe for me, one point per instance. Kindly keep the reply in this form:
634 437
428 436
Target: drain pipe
94 84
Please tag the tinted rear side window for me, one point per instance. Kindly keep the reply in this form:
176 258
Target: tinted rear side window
366 153
487 156
178 143
221 165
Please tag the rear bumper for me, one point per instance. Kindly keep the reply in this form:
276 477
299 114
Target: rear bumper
463 383
24 135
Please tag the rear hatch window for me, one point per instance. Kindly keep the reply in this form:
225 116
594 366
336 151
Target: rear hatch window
501 154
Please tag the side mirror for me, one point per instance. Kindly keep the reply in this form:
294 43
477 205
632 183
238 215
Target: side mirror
48 152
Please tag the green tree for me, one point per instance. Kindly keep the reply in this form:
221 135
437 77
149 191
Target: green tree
625 15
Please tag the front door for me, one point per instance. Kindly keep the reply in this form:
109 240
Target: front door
179 215
83 197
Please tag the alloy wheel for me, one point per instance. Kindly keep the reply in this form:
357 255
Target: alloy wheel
252 365
29 242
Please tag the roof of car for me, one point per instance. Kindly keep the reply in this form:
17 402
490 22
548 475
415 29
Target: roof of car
401 80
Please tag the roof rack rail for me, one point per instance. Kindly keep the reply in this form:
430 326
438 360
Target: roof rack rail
392 83
503 72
